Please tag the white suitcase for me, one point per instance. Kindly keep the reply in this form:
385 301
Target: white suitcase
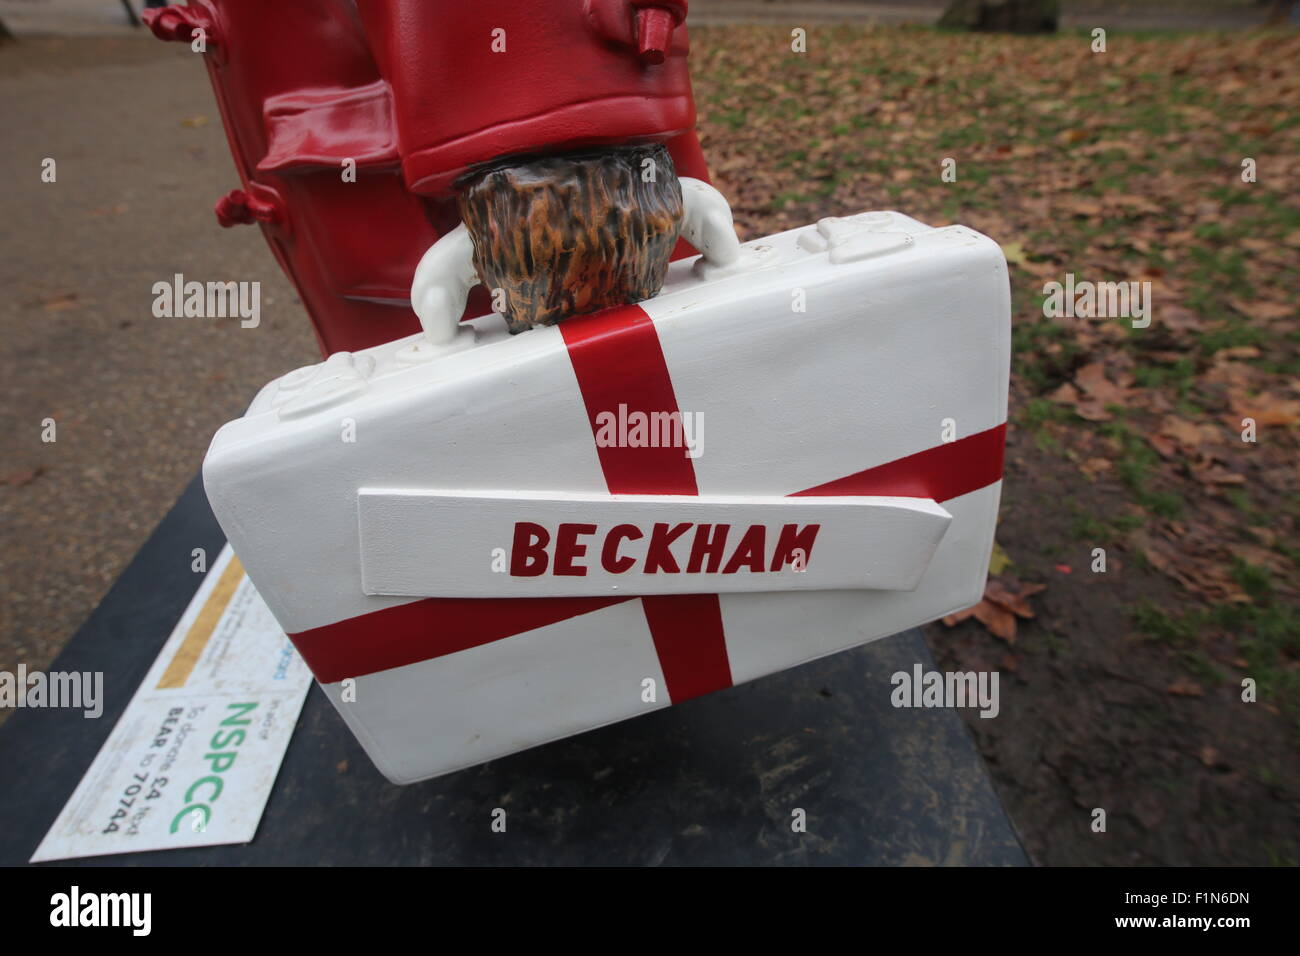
537 535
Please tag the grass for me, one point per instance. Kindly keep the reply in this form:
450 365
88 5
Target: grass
1086 527
1177 377
1266 631
1117 167
1136 468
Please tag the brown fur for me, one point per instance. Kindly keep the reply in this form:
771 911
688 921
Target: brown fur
567 234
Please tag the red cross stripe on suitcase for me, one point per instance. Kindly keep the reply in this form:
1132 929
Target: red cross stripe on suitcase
617 359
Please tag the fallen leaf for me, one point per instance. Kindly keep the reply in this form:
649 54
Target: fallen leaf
1267 409
1239 352
25 476
1218 475
998 620
1003 602
1013 597
1163 445
1263 311
1092 467
1263 558
1092 379
1265 536
955 618
1212 758
1179 319
1091 393
1186 433
1066 394
1185 687
60 303
1014 252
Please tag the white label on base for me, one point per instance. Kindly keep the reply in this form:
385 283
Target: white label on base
193 758
484 544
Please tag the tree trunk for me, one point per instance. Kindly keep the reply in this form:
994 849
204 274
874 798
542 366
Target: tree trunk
1281 12
1006 16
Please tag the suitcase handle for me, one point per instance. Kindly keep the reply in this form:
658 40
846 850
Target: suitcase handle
446 272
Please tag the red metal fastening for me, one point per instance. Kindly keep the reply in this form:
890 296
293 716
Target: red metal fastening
179 23
654 33
644 25
238 208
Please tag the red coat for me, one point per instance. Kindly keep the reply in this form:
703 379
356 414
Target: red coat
410 93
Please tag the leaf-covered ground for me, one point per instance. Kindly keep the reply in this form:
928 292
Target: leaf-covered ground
1123 690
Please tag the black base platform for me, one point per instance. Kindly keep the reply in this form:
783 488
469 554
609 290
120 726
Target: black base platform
713 781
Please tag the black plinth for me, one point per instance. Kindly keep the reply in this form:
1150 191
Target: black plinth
712 781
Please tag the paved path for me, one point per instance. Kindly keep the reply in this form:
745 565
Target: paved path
141 157
67 17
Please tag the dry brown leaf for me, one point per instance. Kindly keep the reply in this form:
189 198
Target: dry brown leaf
1263 311
1262 557
997 620
1013 597
1084 406
952 620
1092 467
24 476
1167 449
1211 757
1003 602
1066 394
60 303
1239 352
1092 379
1218 475
1091 392
1267 409
1185 687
